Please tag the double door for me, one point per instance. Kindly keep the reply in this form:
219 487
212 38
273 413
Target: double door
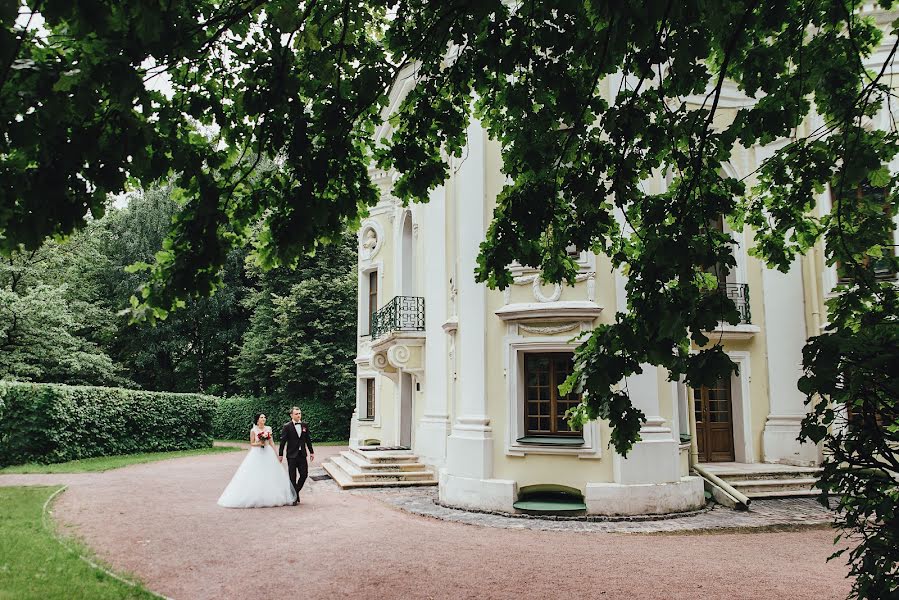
714 422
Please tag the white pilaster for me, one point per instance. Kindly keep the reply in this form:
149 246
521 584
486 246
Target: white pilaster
434 427
655 458
471 442
467 479
648 481
785 337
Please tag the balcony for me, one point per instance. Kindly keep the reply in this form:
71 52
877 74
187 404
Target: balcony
403 313
744 330
739 293
398 337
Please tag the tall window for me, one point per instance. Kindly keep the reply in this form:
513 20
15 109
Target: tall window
369 398
372 298
883 267
544 406
718 270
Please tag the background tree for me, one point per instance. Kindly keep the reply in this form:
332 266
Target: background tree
300 343
192 348
78 118
49 329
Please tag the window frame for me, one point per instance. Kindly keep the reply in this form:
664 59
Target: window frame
885 274
516 344
555 416
370 398
367 274
362 377
372 296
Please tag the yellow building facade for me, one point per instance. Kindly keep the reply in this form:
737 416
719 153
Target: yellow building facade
465 376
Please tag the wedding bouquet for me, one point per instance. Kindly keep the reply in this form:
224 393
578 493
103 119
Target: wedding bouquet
264 437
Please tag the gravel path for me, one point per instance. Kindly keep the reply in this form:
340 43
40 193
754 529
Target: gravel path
160 522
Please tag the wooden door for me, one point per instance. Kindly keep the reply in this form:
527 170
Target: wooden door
714 422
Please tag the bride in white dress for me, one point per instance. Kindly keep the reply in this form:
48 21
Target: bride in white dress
260 479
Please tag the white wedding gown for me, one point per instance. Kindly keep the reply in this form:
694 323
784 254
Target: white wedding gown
260 480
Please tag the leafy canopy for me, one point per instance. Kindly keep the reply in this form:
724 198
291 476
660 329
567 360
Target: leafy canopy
587 100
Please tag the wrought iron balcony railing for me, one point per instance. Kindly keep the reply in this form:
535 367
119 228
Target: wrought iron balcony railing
739 293
403 313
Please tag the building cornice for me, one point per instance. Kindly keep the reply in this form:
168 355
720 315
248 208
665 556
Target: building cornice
584 310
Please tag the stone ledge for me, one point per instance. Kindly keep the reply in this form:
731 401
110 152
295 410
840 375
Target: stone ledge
617 499
530 311
582 518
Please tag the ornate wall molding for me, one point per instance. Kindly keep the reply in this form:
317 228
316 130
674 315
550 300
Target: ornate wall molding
371 239
535 280
537 288
548 329
379 361
591 287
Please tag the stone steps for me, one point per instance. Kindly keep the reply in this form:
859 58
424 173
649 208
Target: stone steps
785 494
360 461
363 474
774 482
374 455
773 486
356 468
792 473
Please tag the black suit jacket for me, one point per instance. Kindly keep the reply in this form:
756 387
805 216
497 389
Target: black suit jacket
296 444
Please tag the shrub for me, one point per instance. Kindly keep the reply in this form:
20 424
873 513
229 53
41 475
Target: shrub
234 417
51 423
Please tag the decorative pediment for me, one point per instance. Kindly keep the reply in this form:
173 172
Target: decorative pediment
539 288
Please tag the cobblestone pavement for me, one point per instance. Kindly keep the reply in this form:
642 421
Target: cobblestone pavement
767 514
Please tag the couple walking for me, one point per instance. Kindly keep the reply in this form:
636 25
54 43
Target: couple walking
260 479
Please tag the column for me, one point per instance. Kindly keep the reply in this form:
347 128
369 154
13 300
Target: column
655 458
471 442
785 337
647 481
434 427
467 481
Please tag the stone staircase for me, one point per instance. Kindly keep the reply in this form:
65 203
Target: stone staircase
378 466
769 480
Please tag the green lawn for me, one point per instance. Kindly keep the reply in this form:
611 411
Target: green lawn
34 564
104 463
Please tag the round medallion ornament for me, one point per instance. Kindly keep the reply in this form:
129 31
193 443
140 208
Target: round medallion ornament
538 291
371 238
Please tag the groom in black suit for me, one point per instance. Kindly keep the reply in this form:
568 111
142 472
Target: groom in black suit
295 434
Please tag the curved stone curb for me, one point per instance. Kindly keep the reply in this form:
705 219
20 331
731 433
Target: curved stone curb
766 515
582 518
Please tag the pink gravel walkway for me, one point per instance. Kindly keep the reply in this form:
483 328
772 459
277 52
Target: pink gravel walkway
160 522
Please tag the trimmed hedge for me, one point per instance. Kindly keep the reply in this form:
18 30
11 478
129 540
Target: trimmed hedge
234 418
50 423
